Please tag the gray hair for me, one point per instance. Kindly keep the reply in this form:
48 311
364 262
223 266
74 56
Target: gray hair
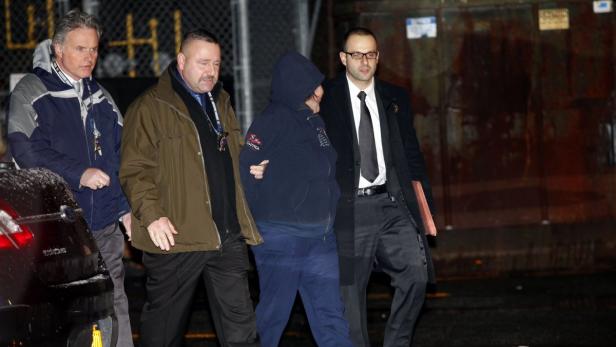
74 19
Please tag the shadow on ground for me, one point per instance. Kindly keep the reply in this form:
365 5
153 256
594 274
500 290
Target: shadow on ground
521 310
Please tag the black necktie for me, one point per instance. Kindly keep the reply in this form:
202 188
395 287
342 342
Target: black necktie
367 147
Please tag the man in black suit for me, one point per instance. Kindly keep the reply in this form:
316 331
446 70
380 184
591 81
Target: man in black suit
370 124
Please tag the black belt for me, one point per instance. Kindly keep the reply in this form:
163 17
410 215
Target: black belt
374 190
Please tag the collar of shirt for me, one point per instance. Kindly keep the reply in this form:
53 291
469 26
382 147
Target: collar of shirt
77 88
353 90
194 94
71 80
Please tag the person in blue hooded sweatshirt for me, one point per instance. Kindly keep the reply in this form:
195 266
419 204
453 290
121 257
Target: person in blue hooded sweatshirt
294 206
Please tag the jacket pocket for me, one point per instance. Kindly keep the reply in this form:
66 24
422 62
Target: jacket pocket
171 175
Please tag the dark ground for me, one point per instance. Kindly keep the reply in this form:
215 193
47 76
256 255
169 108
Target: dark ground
522 310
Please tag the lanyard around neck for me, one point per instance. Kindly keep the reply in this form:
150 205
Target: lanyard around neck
218 129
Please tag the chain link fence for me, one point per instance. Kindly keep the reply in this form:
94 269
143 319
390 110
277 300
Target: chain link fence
273 27
24 24
140 38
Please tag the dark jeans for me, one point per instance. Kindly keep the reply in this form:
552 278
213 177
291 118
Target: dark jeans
384 233
171 282
288 264
110 242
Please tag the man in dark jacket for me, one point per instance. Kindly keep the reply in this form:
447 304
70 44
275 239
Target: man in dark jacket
180 172
370 126
60 118
294 206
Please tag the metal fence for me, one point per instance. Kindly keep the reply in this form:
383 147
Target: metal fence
274 28
143 37
140 38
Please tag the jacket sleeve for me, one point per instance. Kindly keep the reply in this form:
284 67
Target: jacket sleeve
21 118
139 161
46 156
121 201
412 149
20 150
260 143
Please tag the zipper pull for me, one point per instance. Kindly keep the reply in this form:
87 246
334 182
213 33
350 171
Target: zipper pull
97 137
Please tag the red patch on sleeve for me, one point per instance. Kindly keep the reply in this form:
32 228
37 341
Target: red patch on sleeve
253 141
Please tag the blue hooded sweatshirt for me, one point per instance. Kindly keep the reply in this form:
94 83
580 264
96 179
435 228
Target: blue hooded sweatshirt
298 193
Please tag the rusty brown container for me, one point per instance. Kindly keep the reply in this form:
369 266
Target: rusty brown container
515 109
516 121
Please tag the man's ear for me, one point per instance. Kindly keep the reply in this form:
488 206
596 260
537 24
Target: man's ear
181 58
343 58
57 50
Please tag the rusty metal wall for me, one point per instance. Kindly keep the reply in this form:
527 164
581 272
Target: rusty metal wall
516 123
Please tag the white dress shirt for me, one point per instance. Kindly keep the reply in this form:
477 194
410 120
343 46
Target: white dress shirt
376 127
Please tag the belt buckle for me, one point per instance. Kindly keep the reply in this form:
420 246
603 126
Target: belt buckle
368 191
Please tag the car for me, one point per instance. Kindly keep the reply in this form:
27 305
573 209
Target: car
54 287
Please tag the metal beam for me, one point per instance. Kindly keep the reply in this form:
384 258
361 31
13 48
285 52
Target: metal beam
242 63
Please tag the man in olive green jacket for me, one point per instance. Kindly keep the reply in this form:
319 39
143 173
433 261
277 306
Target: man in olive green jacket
179 170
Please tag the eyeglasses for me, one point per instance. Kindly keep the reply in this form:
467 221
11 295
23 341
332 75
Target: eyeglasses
360 55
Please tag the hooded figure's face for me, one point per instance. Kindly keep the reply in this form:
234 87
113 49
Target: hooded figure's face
77 55
314 100
199 65
296 82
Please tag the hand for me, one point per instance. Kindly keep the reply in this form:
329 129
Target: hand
94 179
126 221
259 170
161 233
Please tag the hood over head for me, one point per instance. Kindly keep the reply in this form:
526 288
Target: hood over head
42 56
294 79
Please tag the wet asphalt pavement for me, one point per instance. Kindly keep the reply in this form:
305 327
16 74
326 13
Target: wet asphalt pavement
521 310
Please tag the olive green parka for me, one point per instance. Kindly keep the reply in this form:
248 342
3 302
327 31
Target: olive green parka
163 174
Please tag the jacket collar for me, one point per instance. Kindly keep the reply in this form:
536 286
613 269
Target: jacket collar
340 91
386 98
169 95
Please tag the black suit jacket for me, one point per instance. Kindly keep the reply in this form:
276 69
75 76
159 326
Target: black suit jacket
402 153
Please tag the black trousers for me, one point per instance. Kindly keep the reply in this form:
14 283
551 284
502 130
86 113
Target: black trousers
385 234
171 282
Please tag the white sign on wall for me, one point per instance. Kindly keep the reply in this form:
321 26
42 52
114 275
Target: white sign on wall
420 27
604 6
